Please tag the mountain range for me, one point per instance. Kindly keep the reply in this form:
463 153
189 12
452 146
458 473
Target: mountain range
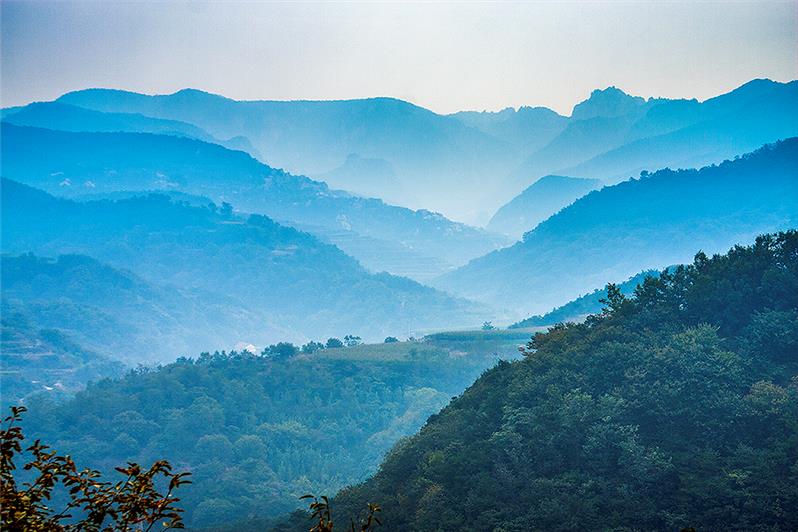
613 136
464 165
538 202
277 283
429 152
651 222
383 237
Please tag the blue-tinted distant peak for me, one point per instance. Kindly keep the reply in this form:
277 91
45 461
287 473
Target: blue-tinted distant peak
608 102
195 94
757 88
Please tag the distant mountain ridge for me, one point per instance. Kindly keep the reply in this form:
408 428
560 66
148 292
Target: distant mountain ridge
538 201
621 135
639 224
72 164
466 165
428 151
65 117
528 128
295 286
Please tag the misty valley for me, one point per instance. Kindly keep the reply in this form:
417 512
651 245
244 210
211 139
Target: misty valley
485 321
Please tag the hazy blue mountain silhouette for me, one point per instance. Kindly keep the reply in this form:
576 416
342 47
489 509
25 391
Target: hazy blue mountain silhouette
295 284
428 152
68 163
468 164
528 129
539 201
118 314
613 136
755 114
615 232
60 116
370 177
608 103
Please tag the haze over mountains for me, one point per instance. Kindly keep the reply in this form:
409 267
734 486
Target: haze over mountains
427 151
651 222
98 141
143 229
467 164
613 136
383 237
276 282
55 115
538 201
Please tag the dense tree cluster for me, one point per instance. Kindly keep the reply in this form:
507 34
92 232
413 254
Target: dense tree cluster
257 432
673 408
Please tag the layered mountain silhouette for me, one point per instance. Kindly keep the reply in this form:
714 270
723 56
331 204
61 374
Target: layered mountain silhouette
468 164
613 136
60 116
415 157
540 200
644 223
296 286
528 129
383 237
439 160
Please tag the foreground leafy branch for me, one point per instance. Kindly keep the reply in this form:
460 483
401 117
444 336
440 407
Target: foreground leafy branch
91 504
320 510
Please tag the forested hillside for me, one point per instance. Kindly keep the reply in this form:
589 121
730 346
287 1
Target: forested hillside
296 285
674 408
257 432
71 164
44 361
583 306
616 232
120 315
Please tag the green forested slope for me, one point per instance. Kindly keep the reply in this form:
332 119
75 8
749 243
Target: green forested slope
675 408
257 432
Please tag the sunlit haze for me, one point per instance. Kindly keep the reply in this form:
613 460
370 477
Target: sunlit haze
442 56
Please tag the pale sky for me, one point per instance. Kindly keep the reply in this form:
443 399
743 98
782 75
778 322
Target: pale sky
446 56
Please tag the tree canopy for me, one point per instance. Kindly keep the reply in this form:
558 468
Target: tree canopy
675 407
